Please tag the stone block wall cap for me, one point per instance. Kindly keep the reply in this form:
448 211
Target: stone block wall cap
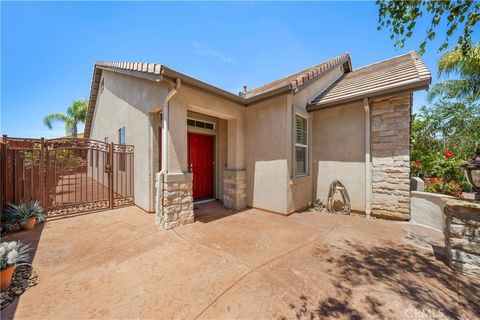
461 203
234 173
178 177
431 194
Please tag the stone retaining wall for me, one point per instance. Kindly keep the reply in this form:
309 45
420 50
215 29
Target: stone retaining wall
462 235
427 209
235 189
390 134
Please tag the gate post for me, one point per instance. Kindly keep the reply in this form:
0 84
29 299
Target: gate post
110 175
43 191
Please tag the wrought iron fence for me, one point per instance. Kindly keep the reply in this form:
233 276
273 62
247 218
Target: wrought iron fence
67 175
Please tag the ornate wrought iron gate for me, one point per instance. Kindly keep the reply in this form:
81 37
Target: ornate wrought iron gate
67 175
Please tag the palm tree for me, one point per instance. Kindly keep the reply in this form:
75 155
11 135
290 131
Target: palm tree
76 113
467 68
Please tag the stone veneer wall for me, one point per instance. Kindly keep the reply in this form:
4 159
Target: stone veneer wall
390 134
174 204
234 189
462 235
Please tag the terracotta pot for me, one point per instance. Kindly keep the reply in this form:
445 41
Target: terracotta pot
6 277
29 224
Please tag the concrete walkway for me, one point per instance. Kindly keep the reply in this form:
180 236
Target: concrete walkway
240 265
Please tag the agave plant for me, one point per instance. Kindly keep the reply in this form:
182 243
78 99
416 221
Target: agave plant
13 253
19 213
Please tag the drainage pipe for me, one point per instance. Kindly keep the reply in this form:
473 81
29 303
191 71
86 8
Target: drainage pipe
165 133
166 123
368 166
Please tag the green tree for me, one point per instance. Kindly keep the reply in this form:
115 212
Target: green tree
446 126
466 66
451 123
400 17
76 113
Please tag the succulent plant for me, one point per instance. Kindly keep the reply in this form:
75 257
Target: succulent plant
13 253
18 214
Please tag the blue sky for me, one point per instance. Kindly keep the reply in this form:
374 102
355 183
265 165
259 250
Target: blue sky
48 49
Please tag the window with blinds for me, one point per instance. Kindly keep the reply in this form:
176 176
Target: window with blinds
301 145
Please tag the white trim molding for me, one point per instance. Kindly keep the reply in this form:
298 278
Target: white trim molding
301 145
368 163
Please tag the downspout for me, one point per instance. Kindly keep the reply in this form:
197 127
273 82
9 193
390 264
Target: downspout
166 123
165 132
368 165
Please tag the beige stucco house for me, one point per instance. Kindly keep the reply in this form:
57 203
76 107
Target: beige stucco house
276 147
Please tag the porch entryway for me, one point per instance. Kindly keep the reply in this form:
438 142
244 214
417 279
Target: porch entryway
202 159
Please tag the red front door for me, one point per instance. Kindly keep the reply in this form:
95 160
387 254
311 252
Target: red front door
200 160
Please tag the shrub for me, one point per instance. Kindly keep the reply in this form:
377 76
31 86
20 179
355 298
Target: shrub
443 173
434 185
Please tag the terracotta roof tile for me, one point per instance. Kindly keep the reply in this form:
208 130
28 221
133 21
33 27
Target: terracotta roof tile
405 71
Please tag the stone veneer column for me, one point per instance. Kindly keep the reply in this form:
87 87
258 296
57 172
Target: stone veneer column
234 189
390 125
462 235
174 201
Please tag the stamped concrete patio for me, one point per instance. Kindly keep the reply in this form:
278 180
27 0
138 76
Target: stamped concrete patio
240 265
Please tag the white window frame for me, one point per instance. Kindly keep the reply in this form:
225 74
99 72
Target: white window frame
204 121
295 145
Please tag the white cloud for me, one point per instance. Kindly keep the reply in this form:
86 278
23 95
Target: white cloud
204 50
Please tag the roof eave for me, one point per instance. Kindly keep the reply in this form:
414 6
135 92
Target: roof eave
92 100
134 73
269 94
412 86
295 85
172 74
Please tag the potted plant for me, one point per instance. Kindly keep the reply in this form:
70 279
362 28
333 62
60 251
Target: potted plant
25 214
12 254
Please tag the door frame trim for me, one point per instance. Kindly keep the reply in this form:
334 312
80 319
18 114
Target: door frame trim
215 158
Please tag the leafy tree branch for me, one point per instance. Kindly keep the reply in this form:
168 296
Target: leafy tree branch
401 17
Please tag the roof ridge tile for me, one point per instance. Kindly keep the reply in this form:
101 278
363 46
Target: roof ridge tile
297 79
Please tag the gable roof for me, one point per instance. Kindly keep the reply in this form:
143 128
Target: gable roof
157 72
405 72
